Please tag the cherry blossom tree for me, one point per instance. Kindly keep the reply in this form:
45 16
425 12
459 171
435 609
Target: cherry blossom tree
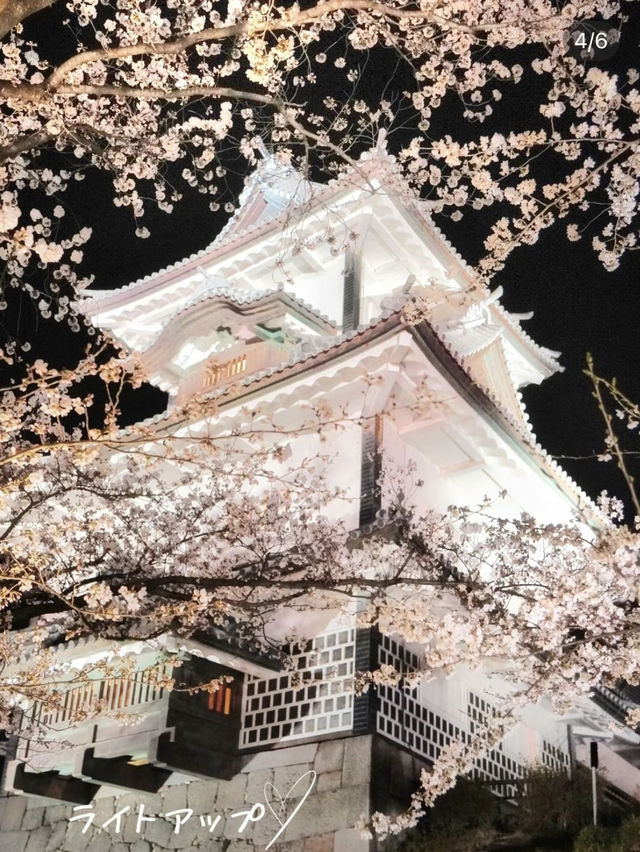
155 95
165 527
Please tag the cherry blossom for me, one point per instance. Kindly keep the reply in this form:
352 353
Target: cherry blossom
94 543
556 604
117 104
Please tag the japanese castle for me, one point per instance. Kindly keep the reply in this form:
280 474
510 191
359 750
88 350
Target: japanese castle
301 298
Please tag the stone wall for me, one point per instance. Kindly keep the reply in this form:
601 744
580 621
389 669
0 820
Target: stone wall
324 822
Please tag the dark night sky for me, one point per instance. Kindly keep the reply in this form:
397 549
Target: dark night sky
578 306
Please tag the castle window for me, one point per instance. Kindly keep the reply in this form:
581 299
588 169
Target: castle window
221 701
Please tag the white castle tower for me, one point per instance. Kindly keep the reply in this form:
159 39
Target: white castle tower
305 296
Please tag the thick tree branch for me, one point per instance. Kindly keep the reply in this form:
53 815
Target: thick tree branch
23 144
14 12
152 94
37 93
260 28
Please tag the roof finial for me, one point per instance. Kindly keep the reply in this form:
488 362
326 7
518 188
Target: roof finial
262 149
381 143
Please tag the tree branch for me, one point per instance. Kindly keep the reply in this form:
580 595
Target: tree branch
24 144
251 28
14 12
168 94
613 443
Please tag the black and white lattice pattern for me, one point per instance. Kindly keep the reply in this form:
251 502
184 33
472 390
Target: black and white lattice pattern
553 757
478 710
316 699
499 767
394 654
496 765
401 717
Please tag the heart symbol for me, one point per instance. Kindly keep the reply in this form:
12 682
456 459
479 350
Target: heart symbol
271 793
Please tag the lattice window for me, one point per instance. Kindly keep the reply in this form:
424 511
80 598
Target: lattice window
553 757
216 372
496 765
314 700
219 701
370 470
401 717
351 294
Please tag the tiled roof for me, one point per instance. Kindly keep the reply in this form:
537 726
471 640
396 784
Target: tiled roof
526 434
282 190
310 349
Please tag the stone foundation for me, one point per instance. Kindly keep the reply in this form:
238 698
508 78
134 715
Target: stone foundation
324 822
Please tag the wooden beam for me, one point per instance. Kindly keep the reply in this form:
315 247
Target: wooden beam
199 762
118 772
52 785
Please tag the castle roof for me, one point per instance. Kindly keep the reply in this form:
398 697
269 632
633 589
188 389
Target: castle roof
475 331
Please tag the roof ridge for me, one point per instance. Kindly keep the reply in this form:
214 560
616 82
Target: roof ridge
218 241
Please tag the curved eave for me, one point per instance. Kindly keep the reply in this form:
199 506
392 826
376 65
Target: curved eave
521 439
94 303
254 201
546 358
199 307
516 435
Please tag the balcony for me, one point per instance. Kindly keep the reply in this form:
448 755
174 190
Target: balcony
130 733
232 365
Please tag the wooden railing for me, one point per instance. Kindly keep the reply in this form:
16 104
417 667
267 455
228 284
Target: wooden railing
216 373
230 366
109 694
